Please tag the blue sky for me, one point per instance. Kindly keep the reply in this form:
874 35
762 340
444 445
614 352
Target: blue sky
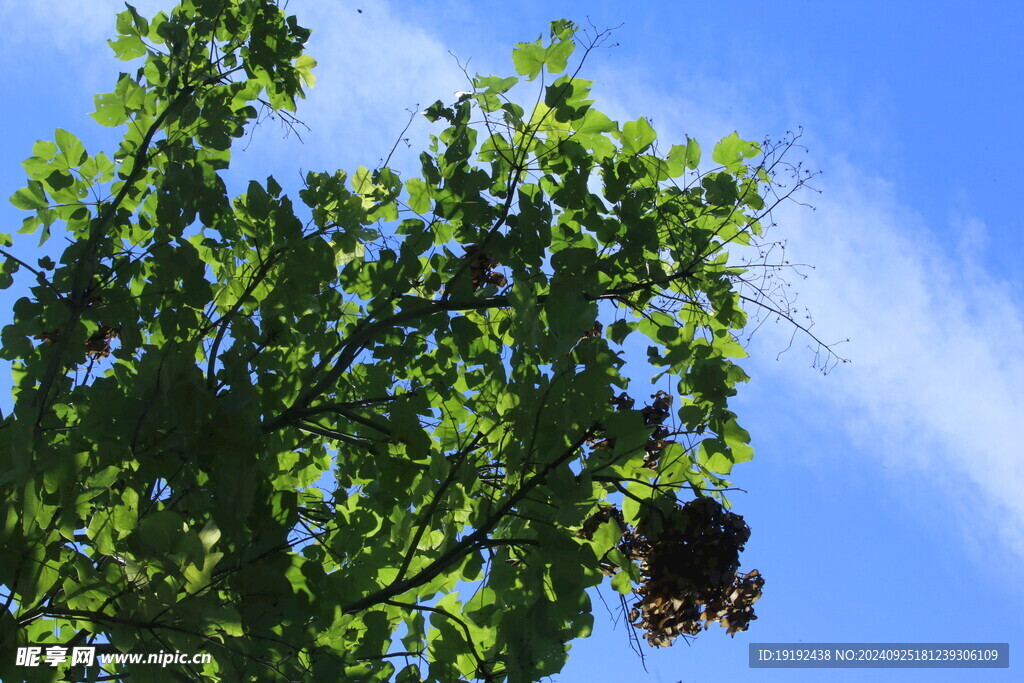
885 497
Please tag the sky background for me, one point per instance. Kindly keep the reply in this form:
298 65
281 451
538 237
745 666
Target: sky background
885 497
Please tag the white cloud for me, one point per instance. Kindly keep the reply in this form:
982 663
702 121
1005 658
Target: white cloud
373 67
934 387
71 27
63 43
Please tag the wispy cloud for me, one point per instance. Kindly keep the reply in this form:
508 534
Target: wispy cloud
70 26
935 336
75 28
62 46
374 68
934 387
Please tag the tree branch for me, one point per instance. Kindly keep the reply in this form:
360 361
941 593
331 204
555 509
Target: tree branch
261 273
453 471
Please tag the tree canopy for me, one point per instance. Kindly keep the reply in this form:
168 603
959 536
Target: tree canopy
388 431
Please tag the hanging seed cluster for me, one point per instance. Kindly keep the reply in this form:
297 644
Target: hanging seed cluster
481 268
689 559
688 555
603 514
590 526
49 336
654 415
98 344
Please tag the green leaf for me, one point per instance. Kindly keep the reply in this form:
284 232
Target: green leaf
161 531
494 85
115 108
138 21
30 197
557 55
732 150
362 181
130 22
594 122
72 148
721 189
676 160
692 153
715 456
127 48
225 619
606 537
622 584
528 58
419 195
590 132
637 136
304 66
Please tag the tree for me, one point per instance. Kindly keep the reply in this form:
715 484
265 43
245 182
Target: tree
386 433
